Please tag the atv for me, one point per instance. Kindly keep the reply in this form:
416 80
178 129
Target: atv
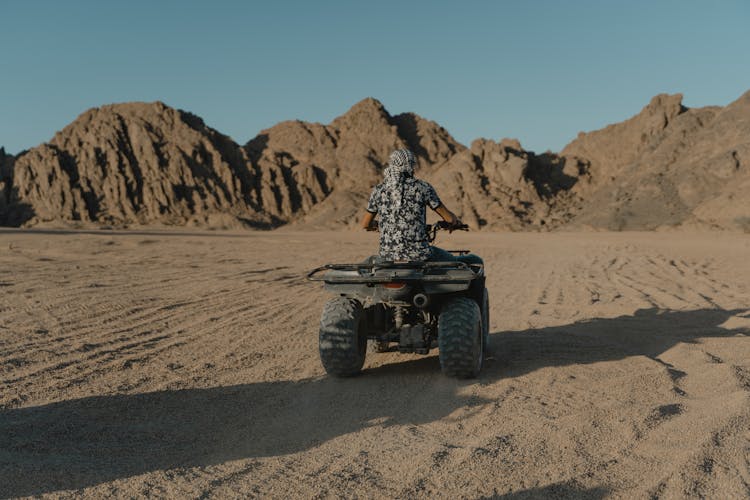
409 307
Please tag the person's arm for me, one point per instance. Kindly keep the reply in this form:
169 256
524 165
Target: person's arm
447 215
433 201
368 222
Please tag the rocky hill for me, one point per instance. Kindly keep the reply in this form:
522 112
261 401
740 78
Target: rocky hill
135 163
146 163
668 166
498 185
330 169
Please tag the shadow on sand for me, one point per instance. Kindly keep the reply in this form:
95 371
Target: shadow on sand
83 442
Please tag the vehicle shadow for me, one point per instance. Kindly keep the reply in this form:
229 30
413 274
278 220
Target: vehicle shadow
83 442
647 332
556 491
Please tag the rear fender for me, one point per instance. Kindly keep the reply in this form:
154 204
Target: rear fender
438 288
476 291
377 293
353 290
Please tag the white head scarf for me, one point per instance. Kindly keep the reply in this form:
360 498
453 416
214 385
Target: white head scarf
400 167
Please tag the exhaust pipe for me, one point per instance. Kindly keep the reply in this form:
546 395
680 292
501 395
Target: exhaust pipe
421 300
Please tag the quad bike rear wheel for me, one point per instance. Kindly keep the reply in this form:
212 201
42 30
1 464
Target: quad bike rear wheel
342 343
461 338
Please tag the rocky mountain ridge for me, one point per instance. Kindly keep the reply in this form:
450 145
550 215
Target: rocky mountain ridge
669 166
138 164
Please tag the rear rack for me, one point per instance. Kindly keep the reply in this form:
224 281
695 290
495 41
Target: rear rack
475 269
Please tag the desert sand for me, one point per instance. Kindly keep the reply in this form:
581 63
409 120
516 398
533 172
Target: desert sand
184 364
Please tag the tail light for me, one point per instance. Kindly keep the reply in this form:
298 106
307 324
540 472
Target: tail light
394 286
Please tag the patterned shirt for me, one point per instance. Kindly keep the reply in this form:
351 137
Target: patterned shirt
403 235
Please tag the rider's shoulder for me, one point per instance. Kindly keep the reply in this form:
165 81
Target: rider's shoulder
424 184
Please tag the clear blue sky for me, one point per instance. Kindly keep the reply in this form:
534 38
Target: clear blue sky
540 71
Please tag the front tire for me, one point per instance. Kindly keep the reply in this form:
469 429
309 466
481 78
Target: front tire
461 338
341 342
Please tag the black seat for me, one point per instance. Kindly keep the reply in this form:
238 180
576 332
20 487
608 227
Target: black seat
470 258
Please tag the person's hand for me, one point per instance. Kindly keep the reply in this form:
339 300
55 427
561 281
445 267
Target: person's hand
456 224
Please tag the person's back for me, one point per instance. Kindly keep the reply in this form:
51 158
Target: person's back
400 200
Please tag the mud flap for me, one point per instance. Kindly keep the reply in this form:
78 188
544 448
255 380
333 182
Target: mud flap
411 339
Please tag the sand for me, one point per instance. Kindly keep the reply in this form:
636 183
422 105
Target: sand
179 364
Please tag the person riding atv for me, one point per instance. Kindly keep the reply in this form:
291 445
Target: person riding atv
400 201
411 297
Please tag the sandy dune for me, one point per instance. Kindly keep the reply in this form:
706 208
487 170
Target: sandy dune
186 365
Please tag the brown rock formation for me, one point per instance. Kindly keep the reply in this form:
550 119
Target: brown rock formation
136 163
493 185
146 163
332 168
667 166
612 148
140 163
501 186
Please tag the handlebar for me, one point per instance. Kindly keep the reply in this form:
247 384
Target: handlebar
432 229
447 225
